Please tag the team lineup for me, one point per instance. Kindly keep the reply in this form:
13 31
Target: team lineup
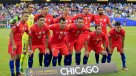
54 37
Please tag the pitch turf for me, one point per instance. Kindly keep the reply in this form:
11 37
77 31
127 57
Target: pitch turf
130 50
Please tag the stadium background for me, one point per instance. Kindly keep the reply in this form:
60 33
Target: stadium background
125 20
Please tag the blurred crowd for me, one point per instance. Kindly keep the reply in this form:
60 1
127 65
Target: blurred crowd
118 10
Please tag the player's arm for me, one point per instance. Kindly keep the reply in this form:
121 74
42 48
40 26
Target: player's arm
109 24
110 40
29 41
104 42
47 40
123 41
86 43
12 39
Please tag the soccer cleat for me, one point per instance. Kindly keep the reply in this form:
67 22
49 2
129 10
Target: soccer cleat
12 74
18 74
125 69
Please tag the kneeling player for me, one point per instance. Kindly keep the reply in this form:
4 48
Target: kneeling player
94 43
116 39
58 41
39 33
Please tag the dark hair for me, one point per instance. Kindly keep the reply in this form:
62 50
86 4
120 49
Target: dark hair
27 5
96 26
99 7
79 18
61 19
44 6
117 23
85 7
24 12
40 16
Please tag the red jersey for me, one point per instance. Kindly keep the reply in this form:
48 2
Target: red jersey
19 29
48 19
68 20
115 36
95 40
103 21
38 34
74 32
87 18
59 35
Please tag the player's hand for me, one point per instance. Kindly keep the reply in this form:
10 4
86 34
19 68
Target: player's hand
30 52
14 47
47 51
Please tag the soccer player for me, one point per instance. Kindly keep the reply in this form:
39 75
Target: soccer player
48 20
39 34
75 39
58 41
15 43
94 43
68 21
116 39
25 47
87 17
103 20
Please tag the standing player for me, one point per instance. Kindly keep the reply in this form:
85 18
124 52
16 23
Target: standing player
48 20
39 34
30 22
58 41
68 19
15 43
116 39
94 43
103 20
75 39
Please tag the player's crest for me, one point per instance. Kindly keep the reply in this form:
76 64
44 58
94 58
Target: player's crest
100 19
66 21
104 20
61 32
117 35
43 32
100 39
65 33
40 32
97 39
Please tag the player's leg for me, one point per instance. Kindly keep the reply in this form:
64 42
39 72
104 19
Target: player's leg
97 58
30 57
100 50
59 59
64 51
110 54
12 59
46 55
78 46
18 56
104 58
24 52
55 51
86 56
70 49
123 57
11 64
40 56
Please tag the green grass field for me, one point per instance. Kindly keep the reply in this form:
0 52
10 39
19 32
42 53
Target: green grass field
130 50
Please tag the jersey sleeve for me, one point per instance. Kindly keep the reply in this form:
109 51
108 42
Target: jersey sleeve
103 37
108 20
47 31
